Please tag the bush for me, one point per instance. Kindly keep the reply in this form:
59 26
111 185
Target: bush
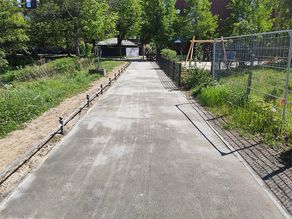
88 50
82 48
169 54
214 96
3 62
58 66
196 79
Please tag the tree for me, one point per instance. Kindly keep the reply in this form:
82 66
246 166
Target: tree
251 16
198 21
13 37
284 18
158 22
49 26
129 17
66 22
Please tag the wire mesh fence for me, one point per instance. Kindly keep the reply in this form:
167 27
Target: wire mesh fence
257 68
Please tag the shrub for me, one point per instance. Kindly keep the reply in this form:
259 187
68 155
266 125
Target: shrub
257 117
214 96
3 62
88 50
196 79
82 48
58 66
169 54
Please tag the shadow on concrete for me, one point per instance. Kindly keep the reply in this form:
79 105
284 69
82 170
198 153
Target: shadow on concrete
272 166
166 82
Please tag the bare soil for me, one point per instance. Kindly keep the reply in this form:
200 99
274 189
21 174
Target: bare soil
17 143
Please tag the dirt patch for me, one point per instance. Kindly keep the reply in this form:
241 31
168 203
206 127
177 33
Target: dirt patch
17 143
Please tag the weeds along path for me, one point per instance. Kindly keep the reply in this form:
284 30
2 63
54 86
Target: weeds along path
18 142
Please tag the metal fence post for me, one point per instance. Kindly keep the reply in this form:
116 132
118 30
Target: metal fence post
173 70
214 62
179 74
288 75
249 81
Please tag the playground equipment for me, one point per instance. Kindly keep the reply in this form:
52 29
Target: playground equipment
193 43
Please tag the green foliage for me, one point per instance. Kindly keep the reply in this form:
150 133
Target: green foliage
158 22
214 96
63 23
284 11
21 102
56 67
82 48
13 37
88 50
169 54
251 16
199 21
196 79
261 115
3 62
128 17
50 27
255 118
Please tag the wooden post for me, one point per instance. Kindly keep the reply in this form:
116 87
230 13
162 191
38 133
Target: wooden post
190 49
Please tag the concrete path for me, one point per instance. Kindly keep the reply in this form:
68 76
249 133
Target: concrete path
136 155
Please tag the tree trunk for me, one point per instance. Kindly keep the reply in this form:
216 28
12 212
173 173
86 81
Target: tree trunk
76 39
119 45
68 48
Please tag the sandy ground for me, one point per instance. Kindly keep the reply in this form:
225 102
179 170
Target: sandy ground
202 65
18 142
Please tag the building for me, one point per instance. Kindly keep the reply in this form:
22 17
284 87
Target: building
109 48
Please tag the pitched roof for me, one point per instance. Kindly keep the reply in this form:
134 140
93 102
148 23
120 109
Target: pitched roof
114 42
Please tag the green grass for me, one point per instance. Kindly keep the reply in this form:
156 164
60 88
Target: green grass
262 113
25 98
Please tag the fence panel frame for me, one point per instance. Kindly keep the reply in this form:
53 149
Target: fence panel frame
217 61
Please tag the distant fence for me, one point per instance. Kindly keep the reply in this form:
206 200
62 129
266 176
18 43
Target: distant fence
258 66
171 68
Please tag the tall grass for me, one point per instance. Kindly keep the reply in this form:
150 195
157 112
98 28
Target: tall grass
22 101
260 114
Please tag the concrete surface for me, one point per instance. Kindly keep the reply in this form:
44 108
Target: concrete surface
136 155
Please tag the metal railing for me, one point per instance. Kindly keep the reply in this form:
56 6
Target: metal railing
257 67
171 68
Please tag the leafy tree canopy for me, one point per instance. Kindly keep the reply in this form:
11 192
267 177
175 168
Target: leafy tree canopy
284 12
13 37
251 16
128 17
158 21
66 22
